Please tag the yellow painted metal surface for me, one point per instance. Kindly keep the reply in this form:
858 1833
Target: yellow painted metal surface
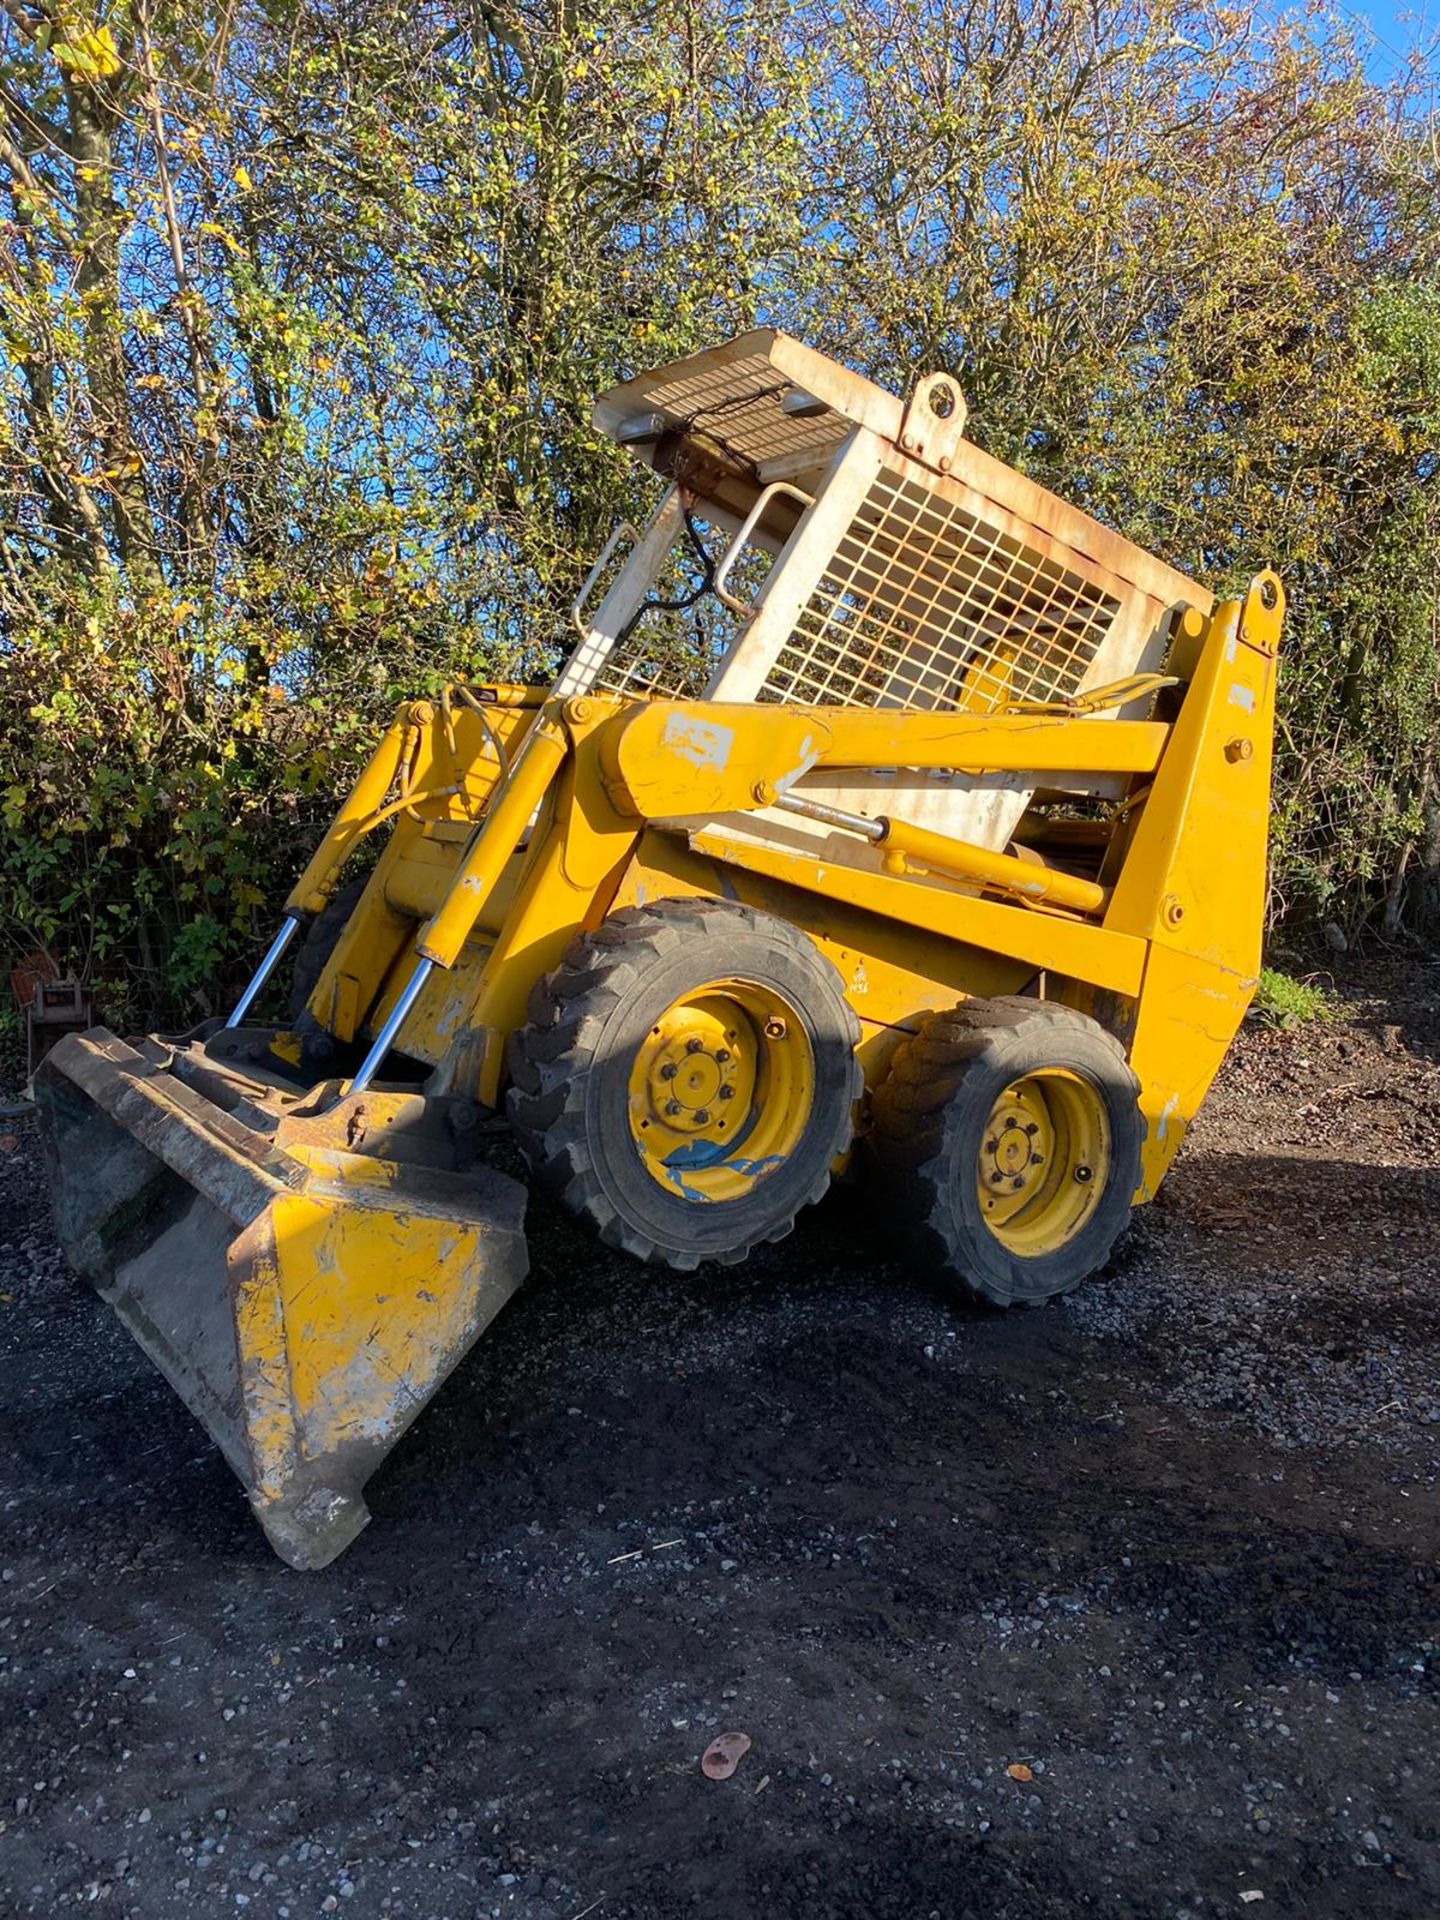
444 760
313 888
1192 883
353 1296
1168 937
451 755
693 757
1043 1162
893 974
910 848
721 1090
366 1293
537 762
352 1282
310 1283
567 884
1109 959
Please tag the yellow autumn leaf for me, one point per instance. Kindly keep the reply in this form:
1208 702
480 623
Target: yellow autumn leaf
101 48
226 239
242 179
91 51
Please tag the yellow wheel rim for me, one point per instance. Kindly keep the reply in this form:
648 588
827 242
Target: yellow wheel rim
1044 1161
721 1089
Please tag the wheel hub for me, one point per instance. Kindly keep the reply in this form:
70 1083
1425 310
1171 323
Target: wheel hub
694 1075
1019 1144
721 1090
1043 1156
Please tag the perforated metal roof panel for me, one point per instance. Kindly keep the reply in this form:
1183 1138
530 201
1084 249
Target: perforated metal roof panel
737 394
743 397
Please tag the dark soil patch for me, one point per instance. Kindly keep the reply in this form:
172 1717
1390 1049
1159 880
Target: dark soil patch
1171 1546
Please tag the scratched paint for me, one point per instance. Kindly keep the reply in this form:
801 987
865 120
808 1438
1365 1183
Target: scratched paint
349 1296
809 756
757 1169
702 743
753 1170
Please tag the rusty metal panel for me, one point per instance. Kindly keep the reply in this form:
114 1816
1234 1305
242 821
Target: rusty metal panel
734 395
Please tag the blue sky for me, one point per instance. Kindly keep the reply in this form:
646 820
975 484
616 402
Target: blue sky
1400 27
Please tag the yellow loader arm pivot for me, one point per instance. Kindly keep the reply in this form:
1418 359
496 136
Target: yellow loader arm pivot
889 815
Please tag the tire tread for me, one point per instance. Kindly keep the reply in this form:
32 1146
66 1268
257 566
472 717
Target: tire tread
545 1104
909 1140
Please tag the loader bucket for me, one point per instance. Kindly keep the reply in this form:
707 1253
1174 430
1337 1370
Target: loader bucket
305 1270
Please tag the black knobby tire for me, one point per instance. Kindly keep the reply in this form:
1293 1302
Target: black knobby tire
929 1126
570 1069
322 937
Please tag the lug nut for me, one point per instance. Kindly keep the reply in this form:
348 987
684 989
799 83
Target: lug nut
722 1056
702 1118
669 1070
694 1046
775 1029
672 1107
1032 1127
726 1093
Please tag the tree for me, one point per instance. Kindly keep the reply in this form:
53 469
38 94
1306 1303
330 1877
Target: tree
303 305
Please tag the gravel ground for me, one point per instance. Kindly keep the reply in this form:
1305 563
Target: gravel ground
1127 1606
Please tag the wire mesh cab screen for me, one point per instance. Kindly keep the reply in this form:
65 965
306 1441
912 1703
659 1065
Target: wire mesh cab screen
924 605
921 571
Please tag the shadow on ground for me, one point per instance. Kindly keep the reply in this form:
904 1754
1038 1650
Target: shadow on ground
1155 1546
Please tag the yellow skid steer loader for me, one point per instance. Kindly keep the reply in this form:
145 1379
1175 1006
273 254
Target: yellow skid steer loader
883 796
